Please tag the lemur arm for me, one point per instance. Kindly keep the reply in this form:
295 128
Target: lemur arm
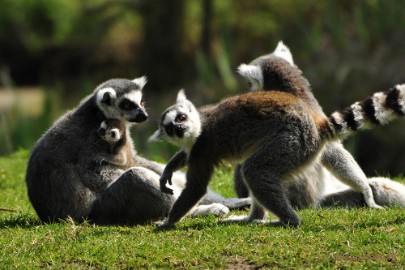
118 160
177 162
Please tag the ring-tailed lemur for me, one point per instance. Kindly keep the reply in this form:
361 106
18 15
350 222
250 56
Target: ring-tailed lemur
309 189
268 72
278 136
305 191
113 132
62 180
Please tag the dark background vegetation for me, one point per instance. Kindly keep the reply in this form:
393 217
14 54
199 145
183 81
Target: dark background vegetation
347 49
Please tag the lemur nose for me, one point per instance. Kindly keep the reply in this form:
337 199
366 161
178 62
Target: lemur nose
140 117
179 130
169 129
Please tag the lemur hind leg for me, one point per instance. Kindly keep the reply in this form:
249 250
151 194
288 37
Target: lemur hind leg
268 193
343 166
257 213
266 174
134 198
239 184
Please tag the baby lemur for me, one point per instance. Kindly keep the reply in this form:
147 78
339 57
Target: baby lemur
113 132
277 135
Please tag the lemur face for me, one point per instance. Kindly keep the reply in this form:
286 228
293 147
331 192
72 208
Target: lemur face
122 99
180 124
253 72
111 130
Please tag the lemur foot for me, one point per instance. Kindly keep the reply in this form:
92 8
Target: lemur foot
242 220
163 225
216 209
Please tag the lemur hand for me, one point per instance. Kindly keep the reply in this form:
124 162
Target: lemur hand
166 178
98 161
163 226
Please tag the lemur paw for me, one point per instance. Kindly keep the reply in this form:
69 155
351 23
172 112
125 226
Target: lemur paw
216 209
376 206
166 178
166 190
163 225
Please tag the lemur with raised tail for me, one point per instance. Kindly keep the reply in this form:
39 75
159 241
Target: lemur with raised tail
277 135
63 182
309 190
305 191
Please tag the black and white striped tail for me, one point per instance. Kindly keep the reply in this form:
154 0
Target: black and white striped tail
379 109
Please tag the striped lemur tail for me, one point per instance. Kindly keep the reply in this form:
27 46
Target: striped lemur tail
379 109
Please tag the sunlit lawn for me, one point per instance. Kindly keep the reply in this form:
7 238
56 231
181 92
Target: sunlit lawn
340 239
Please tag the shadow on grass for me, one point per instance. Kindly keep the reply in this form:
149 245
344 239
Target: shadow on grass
210 223
313 223
20 221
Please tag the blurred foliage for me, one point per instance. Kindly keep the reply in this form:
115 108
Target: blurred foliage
46 41
347 49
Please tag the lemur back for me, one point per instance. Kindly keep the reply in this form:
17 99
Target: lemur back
276 134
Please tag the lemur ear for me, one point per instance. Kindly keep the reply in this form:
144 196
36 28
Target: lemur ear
157 136
284 52
106 95
181 96
250 71
141 81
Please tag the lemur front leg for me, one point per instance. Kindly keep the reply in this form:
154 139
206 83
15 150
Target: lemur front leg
177 162
117 160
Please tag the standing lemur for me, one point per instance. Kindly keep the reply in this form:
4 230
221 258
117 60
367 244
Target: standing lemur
307 190
266 72
278 135
66 175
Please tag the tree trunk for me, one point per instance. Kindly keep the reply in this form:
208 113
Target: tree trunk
162 58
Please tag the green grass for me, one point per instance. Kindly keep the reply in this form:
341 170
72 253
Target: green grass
337 239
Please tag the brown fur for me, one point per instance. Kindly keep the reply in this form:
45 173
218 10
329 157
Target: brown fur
120 153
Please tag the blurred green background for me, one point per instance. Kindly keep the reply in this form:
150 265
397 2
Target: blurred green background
55 52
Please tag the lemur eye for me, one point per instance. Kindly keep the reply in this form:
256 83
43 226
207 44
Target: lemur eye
127 105
181 117
143 103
